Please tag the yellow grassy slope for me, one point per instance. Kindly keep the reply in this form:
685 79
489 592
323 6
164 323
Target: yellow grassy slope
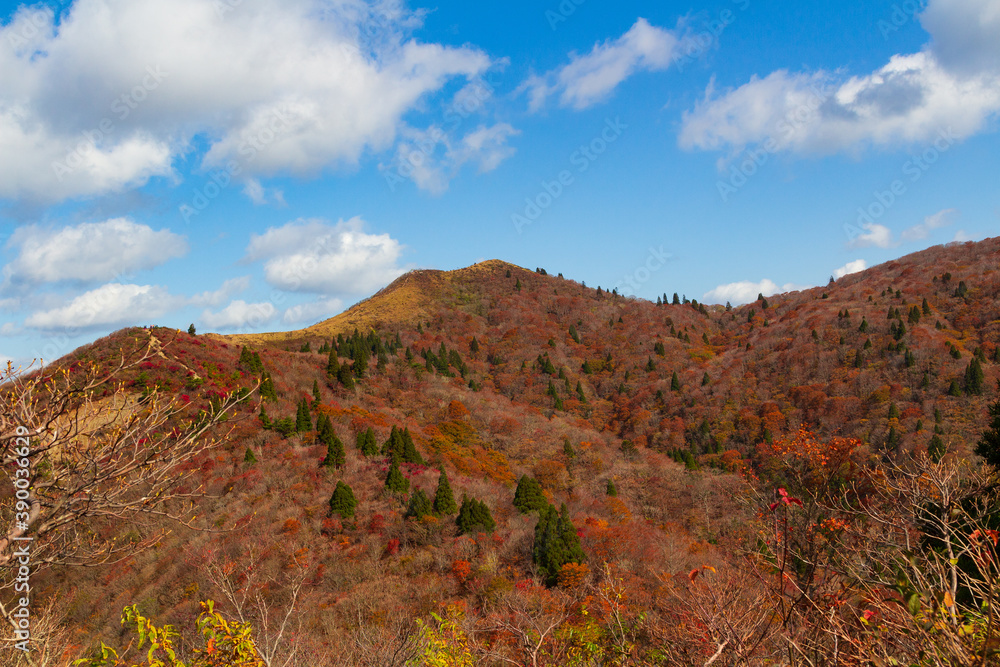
404 301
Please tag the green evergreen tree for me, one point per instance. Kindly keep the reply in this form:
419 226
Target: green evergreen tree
573 334
953 389
395 481
419 506
611 489
676 301
303 421
474 516
529 495
650 366
335 456
893 411
444 499
333 364
342 501
346 376
474 345
267 392
914 316
936 448
989 442
517 285
556 543
974 378
367 443
675 382
705 380
925 307
265 421
316 394
568 450
191 330
249 457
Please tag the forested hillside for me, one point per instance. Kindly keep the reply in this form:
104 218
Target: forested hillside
496 465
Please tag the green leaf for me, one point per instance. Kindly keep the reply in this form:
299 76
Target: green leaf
913 604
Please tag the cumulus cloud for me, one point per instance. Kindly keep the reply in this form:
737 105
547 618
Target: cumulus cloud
432 157
937 221
590 78
229 289
89 252
315 256
240 315
874 234
312 312
849 268
746 291
110 305
952 85
114 91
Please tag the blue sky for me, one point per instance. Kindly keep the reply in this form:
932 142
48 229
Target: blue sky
253 165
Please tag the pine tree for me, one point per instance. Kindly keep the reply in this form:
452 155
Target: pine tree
517 285
650 366
367 443
267 392
893 411
316 394
974 378
444 499
953 389
568 450
474 516
191 330
675 382
346 376
249 457
611 489
556 543
419 506
335 456
265 421
529 495
936 448
303 421
989 443
676 300
474 345
333 364
395 481
342 501
925 307
705 380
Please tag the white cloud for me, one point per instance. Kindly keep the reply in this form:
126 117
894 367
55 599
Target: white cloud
591 78
315 256
746 291
313 312
431 157
948 90
113 304
89 252
119 88
874 235
229 289
240 315
937 221
849 268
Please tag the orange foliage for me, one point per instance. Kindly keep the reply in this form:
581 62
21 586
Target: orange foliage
571 575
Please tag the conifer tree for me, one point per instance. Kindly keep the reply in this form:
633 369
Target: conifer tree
974 378
529 495
335 456
267 392
568 450
342 501
675 382
303 421
191 330
474 516
936 448
474 345
676 301
705 379
265 421
346 376
366 442
395 481
611 489
419 506
556 543
332 364
316 395
249 457
444 499
989 443
925 307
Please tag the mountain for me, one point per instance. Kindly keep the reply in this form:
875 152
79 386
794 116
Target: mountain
495 372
